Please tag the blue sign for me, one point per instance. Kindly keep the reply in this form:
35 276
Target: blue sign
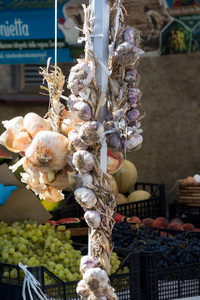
27 31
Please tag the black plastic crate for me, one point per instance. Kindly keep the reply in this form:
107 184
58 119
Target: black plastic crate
188 214
151 208
69 209
174 282
126 285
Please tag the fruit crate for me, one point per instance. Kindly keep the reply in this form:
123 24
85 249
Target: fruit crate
126 285
151 208
173 282
188 214
69 209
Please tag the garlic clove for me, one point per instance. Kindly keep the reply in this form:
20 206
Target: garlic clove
85 197
33 123
83 161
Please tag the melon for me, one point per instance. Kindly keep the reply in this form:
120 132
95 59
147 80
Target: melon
126 177
138 195
119 218
114 161
4 157
113 186
121 199
69 222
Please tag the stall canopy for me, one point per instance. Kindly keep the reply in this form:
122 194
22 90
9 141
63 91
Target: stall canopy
27 31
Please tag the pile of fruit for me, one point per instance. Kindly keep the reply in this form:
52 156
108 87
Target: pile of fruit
179 249
45 245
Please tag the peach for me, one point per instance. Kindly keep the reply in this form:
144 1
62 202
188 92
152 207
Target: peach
176 226
134 220
160 222
177 220
148 222
188 227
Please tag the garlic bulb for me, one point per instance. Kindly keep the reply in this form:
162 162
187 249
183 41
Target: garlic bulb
134 96
48 151
51 194
85 179
131 36
132 142
91 132
83 111
114 141
85 197
83 161
131 77
88 262
80 74
33 123
75 140
68 121
82 289
96 279
132 116
13 128
22 141
92 218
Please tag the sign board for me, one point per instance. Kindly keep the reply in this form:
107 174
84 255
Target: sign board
167 26
27 31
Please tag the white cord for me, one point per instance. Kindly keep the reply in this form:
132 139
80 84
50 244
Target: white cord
56 18
32 283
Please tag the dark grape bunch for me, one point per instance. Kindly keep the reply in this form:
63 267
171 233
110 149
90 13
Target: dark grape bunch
178 249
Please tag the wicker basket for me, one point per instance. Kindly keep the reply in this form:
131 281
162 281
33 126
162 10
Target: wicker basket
189 193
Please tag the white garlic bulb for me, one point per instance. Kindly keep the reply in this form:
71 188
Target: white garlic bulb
88 262
92 218
91 132
80 74
48 151
75 140
82 110
83 161
96 279
82 289
33 123
85 197
133 141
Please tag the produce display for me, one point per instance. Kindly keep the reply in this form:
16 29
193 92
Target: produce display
179 249
69 139
45 245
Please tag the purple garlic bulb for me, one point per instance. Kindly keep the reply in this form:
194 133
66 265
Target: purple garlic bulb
134 96
114 141
83 111
124 48
130 77
131 36
132 116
